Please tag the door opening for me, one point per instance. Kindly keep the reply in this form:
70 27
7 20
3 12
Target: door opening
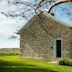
58 48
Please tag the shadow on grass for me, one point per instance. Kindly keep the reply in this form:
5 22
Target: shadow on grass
21 67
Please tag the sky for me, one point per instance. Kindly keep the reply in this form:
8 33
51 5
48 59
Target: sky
9 26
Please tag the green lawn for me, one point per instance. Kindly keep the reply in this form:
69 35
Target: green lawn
16 64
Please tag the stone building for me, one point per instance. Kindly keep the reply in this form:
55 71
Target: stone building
46 37
12 50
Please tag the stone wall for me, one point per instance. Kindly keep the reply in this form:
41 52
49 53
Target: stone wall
10 50
60 31
37 41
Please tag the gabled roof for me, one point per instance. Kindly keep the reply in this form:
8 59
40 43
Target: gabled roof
49 16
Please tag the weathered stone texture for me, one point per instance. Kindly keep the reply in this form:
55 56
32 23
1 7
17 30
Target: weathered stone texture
37 40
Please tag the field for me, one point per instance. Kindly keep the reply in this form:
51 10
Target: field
13 63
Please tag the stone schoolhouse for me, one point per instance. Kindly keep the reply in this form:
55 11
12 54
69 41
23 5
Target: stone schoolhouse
46 37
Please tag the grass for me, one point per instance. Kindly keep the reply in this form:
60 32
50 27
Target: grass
16 64
8 53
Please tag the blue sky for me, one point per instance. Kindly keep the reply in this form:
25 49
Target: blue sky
9 26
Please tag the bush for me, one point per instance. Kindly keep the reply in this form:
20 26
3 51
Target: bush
66 61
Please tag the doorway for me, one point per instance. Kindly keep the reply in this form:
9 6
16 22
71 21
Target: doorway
58 48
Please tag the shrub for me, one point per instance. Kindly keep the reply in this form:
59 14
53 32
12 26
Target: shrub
65 61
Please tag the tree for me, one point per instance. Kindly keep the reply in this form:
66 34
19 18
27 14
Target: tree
25 9
30 8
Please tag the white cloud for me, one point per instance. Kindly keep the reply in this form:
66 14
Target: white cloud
7 27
